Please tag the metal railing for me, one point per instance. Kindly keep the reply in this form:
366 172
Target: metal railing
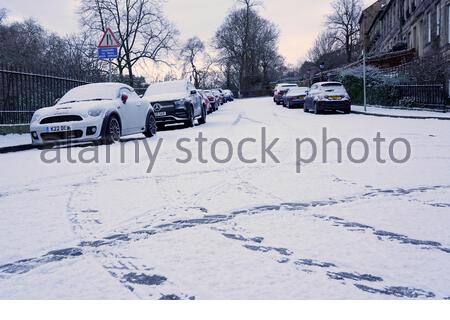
22 93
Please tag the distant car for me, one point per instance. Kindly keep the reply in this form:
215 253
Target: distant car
176 102
222 95
101 112
280 90
295 97
212 99
218 95
206 103
328 96
229 96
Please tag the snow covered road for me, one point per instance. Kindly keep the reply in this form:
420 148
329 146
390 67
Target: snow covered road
336 230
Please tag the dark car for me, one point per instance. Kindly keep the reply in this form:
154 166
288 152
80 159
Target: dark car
328 96
176 102
280 90
295 97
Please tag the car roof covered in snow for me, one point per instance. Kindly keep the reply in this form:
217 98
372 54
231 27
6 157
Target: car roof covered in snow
103 90
167 87
298 90
329 83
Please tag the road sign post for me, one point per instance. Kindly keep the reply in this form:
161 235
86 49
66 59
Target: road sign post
108 49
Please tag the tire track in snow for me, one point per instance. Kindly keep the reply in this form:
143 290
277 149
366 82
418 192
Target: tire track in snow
113 241
363 281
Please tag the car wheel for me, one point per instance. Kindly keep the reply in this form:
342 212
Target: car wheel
190 123
151 128
316 110
202 120
113 130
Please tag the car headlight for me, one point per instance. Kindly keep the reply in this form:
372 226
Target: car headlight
95 112
180 103
35 117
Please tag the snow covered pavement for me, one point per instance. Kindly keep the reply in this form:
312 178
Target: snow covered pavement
235 230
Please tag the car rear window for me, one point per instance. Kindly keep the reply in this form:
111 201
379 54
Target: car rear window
332 84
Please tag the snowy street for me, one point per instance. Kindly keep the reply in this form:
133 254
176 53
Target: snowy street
235 230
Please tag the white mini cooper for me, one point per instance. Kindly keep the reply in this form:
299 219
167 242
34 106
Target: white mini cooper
100 112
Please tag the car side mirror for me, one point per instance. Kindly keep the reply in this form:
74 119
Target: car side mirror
124 98
57 100
193 92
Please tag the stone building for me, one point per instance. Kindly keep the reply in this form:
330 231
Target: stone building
418 26
394 25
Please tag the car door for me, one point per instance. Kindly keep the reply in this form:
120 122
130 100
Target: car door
195 100
129 113
311 95
141 110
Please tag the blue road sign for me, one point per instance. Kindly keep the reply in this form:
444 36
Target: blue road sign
108 53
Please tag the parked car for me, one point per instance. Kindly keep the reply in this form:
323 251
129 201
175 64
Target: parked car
280 90
229 96
328 96
212 99
206 103
222 96
176 102
218 96
101 112
295 97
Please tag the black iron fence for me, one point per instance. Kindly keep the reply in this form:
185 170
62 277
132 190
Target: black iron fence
22 93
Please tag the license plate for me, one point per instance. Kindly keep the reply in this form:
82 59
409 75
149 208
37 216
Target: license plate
335 98
160 114
58 128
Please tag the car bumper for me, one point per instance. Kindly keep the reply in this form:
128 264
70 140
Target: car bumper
278 98
82 131
333 105
297 103
173 117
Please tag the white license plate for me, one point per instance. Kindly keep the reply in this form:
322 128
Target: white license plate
58 128
160 114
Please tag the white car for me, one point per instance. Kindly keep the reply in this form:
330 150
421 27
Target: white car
100 112
328 96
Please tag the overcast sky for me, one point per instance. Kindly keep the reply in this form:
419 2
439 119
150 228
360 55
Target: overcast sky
300 21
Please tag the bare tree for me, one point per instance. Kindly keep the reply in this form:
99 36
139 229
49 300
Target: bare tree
247 45
140 25
196 61
344 23
3 14
324 44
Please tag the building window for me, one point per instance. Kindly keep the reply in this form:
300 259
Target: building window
448 23
429 27
438 20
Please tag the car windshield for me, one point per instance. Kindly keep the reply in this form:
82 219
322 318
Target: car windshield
90 92
166 87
